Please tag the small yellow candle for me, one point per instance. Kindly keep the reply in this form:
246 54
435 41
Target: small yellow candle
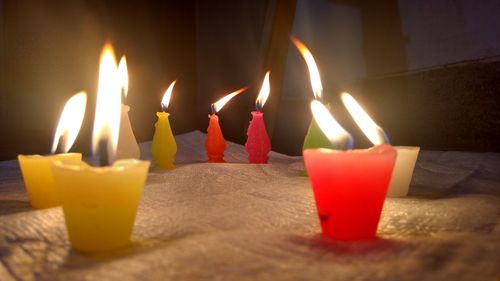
100 203
164 146
36 169
38 178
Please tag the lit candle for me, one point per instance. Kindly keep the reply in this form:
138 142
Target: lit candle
314 137
215 144
407 155
127 144
349 186
36 169
164 146
258 144
100 203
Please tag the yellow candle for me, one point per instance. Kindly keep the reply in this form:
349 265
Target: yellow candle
36 170
38 178
164 146
100 203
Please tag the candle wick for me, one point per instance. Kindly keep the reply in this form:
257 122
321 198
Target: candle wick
212 108
103 153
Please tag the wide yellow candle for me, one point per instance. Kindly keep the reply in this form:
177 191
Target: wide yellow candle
100 203
164 146
38 177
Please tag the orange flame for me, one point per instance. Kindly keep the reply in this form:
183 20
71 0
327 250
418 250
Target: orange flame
316 85
220 103
70 122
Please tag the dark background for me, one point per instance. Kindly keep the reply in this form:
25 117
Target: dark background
427 73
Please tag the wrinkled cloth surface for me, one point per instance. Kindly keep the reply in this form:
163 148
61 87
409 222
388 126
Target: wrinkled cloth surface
238 221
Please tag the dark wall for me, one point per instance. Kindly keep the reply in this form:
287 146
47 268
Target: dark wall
50 50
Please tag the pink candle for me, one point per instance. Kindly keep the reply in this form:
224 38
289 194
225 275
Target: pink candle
258 144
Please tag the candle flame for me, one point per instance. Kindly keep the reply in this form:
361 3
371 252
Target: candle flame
108 104
371 130
123 75
264 92
220 103
166 97
316 85
70 122
330 127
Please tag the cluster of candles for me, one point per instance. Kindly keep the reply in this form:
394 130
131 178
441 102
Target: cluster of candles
100 202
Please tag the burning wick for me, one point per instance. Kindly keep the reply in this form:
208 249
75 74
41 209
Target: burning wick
212 108
103 153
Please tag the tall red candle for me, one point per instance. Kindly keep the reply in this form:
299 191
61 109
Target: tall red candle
258 144
215 144
350 188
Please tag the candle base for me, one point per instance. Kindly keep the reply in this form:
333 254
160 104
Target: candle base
349 189
100 203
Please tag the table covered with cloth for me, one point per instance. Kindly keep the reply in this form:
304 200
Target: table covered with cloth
239 221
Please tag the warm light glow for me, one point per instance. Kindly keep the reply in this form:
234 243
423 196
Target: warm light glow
316 85
166 97
330 127
264 92
220 103
108 104
123 75
70 122
371 130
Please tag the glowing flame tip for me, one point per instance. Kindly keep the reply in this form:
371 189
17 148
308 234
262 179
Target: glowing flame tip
372 131
217 106
264 92
166 97
316 85
70 122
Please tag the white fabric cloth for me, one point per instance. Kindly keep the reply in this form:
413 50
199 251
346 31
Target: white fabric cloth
238 221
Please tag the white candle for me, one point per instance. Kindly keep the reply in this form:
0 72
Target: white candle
403 171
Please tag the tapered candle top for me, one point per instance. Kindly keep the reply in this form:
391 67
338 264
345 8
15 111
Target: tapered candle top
371 130
70 122
166 97
335 133
316 85
215 107
264 93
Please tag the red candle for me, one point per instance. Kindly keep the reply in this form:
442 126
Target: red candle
350 188
215 144
258 144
